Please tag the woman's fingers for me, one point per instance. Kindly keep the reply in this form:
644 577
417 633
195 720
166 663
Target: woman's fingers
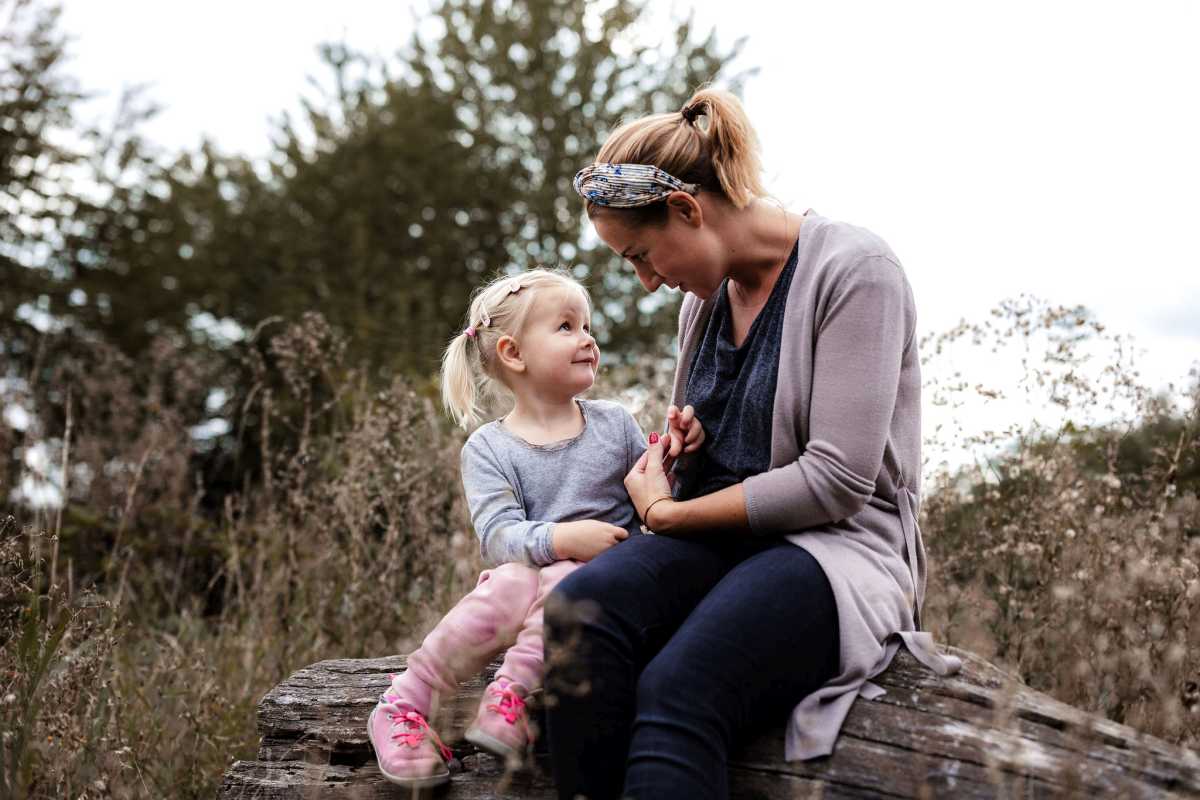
654 453
684 425
653 457
647 480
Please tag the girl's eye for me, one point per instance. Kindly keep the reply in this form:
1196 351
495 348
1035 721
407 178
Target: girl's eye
566 326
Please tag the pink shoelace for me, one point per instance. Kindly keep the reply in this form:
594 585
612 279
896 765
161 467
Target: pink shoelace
511 705
416 729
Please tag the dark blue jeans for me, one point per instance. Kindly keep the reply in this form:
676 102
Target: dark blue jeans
661 654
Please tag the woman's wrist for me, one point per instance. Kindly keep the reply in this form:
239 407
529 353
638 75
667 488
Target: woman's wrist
659 514
723 510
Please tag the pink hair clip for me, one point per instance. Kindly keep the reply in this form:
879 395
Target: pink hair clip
470 331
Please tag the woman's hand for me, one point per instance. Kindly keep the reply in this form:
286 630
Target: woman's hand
647 481
684 434
585 539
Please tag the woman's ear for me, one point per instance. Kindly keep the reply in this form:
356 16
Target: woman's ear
510 354
685 208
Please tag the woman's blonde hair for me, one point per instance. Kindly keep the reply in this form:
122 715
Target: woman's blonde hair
497 309
721 156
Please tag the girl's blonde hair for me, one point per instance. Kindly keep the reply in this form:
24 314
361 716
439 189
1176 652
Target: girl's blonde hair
722 156
497 309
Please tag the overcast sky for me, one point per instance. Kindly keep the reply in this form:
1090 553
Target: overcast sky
1000 148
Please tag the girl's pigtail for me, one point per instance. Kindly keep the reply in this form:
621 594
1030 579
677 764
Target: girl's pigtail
460 386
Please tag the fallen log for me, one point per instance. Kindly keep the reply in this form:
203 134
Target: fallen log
978 734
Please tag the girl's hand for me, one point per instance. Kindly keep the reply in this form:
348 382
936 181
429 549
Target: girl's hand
684 432
585 539
647 481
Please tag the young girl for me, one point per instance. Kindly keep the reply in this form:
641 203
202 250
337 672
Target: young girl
545 487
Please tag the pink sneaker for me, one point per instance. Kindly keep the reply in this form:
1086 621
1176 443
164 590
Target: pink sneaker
409 752
501 726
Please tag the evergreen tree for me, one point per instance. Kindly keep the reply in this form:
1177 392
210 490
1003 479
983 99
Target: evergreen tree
36 101
400 189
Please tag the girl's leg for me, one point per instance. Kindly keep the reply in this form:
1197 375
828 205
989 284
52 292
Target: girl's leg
482 624
603 624
762 639
524 661
502 725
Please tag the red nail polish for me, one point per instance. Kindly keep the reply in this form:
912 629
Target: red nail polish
654 437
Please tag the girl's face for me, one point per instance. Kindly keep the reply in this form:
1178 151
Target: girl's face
681 254
556 343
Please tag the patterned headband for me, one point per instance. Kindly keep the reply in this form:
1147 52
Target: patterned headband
627 185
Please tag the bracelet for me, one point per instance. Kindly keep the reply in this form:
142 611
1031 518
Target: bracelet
646 514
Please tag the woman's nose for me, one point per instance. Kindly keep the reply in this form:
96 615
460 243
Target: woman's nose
649 278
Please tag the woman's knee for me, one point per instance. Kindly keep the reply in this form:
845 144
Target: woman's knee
667 695
591 597
657 687
609 575
577 599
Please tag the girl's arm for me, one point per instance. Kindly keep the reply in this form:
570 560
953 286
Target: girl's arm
505 535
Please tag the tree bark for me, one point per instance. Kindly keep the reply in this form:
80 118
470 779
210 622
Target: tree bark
978 734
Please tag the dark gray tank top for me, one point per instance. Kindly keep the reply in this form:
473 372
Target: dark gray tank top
733 392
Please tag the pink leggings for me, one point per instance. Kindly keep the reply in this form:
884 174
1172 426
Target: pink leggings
503 611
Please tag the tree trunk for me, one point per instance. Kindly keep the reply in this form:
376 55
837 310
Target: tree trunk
976 734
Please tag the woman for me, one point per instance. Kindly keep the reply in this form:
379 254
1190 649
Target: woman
788 566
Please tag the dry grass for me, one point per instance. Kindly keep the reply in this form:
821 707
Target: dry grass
141 626
145 650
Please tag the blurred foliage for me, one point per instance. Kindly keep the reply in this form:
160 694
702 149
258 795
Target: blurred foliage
399 188
72 196
35 100
1069 550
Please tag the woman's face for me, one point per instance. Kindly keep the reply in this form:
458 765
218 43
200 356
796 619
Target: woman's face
681 254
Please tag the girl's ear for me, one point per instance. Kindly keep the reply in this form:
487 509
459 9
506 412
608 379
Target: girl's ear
510 354
685 208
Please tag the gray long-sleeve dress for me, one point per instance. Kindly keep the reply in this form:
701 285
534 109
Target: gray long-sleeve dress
845 469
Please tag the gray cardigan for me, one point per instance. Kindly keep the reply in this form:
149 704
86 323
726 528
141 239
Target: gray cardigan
845 457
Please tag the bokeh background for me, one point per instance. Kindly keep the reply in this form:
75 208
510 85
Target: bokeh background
235 237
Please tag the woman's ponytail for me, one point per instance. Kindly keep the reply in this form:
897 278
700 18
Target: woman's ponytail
732 144
718 154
